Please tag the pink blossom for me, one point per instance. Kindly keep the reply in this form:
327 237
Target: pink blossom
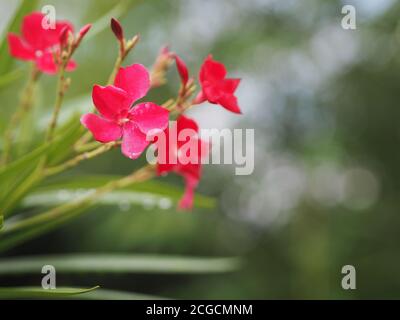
216 88
190 171
38 44
118 119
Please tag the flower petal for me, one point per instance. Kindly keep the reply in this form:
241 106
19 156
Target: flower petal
212 92
19 48
164 168
184 122
133 141
135 80
113 103
200 98
149 117
186 202
71 66
229 102
212 71
54 37
45 63
230 85
35 33
102 129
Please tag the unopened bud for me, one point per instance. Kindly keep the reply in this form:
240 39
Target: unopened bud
117 29
84 30
64 34
182 70
160 67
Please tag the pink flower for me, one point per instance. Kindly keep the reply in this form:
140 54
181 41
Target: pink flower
216 88
118 119
39 44
189 170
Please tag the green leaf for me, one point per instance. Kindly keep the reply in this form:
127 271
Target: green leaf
152 191
24 229
40 224
72 107
20 176
118 263
16 172
10 76
106 294
67 135
34 292
25 7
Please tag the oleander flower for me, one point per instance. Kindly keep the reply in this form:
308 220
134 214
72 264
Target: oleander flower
119 119
39 44
215 87
175 156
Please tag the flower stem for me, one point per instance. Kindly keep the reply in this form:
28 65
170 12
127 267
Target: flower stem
181 103
25 105
115 69
87 147
61 213
79 158
61 88
38 173
124 49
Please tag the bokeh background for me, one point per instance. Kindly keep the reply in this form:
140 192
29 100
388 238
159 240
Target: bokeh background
325 190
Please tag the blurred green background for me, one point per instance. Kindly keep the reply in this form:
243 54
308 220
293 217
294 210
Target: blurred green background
325 190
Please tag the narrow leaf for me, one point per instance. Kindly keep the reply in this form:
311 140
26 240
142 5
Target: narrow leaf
73 186
117 263
106 294
34 292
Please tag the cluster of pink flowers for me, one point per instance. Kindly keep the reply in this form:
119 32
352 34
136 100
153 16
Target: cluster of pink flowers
118 118
43 46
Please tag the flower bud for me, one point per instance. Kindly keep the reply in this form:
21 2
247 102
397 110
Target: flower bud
117 29
84 30
182 70
64 34
160 67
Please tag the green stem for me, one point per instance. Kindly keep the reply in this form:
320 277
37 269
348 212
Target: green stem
19 192
59 212
116 67
25 105
61 86
81 157
87 147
